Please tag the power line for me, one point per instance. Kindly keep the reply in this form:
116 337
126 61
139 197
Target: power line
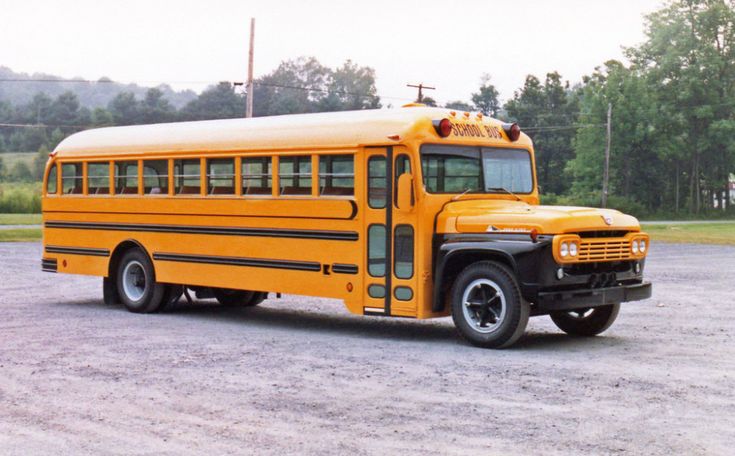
234 83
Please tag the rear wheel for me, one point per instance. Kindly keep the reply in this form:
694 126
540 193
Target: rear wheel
586 322
136 283
487 307
243 298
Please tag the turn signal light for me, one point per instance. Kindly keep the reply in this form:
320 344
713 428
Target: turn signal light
443 127
512 130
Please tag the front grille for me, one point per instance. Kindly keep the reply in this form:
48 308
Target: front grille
602 234
604 249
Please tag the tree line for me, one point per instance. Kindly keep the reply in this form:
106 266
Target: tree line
673 113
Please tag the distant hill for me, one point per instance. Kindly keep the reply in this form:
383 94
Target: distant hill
91 94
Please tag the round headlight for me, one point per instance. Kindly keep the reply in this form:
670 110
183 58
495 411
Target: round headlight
564 249
573 248
634 247
643 245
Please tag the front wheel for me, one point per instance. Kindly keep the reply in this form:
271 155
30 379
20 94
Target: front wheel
487 307
586 322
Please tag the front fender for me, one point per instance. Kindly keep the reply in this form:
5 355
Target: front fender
454 252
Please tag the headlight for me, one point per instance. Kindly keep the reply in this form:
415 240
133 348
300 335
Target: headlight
573 248
634 247
564 250
643 245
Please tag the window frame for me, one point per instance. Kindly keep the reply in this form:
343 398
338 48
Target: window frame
298 160
232 176
329 176
269 177
480 149
88 176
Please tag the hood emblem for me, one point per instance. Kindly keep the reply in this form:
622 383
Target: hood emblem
608 219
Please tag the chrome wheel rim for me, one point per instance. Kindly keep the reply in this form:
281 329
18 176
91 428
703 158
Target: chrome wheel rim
483 305
134 281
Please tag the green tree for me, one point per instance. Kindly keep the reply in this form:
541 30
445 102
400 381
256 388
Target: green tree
428 101
155 108
459 105
486 99
296 86
101 117
350 87
39 163
689 60
21 172
216 102
634 156
124 109
547 113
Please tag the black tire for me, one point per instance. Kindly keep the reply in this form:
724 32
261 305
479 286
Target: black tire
239 298
586 322
141 293
496 314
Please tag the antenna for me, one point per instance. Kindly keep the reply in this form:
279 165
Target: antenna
421 87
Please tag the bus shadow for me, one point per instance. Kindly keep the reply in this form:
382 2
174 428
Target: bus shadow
399 329
318 322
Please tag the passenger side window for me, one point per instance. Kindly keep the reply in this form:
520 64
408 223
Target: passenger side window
403 166
221 176
257 176
126 178
377 192
71 179
98 178
403 252
336 175
187 177
376 250
52 184
155 177
294 174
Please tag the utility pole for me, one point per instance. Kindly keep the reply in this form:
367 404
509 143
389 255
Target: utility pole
606 173
249 108
421 87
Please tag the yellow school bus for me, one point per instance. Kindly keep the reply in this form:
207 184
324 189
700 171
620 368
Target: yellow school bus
413 212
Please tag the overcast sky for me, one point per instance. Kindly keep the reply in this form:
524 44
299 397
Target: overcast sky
442 43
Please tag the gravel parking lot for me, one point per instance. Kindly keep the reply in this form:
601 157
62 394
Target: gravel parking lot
301 375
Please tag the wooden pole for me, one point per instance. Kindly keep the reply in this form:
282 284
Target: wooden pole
606 173
249 108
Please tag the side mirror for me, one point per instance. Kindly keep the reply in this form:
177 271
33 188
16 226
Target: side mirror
405 198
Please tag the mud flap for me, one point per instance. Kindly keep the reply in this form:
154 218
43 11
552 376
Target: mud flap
109 292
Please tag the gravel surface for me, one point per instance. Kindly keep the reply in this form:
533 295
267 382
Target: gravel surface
302 376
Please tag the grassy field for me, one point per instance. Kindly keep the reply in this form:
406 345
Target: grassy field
695 233
20 219
11 158
20 235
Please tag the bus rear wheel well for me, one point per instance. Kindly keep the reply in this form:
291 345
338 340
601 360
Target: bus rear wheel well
457 262
118 253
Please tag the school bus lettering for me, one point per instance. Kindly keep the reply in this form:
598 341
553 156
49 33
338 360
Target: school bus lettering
402 213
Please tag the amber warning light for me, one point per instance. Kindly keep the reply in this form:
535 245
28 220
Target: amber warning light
443 127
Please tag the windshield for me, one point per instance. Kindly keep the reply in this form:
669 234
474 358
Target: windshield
457 169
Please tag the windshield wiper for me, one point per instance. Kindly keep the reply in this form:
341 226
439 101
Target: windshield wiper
456 197
503 189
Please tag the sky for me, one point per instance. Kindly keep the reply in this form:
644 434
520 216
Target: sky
444 44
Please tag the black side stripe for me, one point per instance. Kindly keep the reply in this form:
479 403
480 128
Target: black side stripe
77 251
227 231
239 261
344 268
49 265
